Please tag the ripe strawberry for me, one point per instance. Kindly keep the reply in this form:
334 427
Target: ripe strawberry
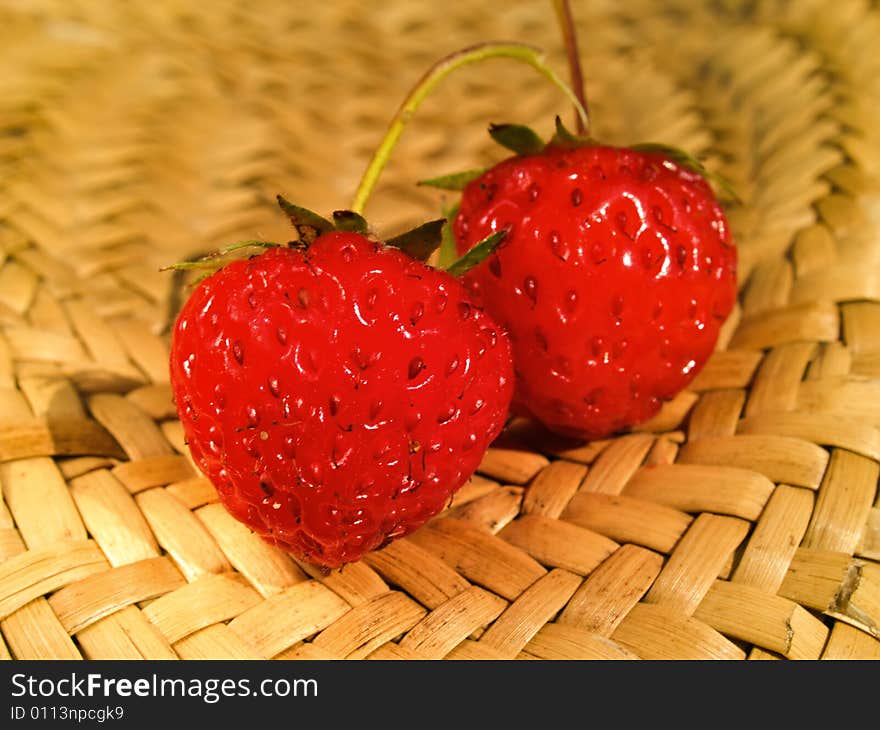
337 396
616 273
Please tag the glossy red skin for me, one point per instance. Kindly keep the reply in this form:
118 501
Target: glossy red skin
298 382
615 276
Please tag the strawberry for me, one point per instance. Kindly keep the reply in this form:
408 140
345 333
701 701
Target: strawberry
336 395
616 273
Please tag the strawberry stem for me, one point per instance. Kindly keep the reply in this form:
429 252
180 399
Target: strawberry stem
569 37
425 85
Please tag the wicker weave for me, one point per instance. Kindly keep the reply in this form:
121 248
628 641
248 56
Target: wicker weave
134 134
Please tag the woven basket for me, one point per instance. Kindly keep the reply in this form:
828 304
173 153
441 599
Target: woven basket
135 134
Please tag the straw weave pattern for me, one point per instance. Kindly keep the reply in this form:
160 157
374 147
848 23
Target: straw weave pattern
741 523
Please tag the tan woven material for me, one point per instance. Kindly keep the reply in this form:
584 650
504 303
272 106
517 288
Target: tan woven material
742 523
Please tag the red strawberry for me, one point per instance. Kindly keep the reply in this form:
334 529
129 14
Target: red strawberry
616 273
337 396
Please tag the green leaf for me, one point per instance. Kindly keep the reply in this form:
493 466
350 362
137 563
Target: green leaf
517 137
689 162
348 220
214 259
565 138
454 181
205 263
245 244
448 251
420 242
477 254
308 224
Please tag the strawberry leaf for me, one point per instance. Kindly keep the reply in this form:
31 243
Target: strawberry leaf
565 138
308 224
517 137
454 181
245 244
348 220
448 252
689 162
420 242
215 259
204 263
477 254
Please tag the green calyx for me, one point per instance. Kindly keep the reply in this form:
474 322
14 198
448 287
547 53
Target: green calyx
448 250
562 137
517 138
209 262
523 140
476 254
348 220
689 162
308 224
455 181
419 243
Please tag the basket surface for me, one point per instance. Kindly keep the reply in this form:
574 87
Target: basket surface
135 134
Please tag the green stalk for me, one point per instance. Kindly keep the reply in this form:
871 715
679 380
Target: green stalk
434 75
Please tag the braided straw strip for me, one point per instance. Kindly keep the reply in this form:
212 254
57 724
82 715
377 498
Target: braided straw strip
742 522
